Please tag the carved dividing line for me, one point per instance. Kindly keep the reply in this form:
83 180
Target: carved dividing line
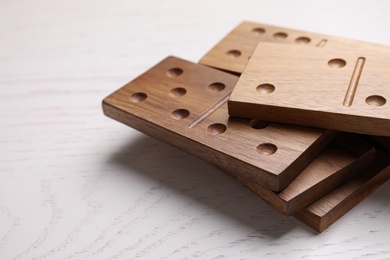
322 43
357 72
208 112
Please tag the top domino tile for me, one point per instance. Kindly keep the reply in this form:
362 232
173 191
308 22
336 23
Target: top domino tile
342 89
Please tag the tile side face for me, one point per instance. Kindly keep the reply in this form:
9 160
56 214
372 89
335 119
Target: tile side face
345 157
327 210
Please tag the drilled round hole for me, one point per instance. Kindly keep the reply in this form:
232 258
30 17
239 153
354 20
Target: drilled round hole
258 31
376 101
233 53
177 92
302 40
179 114
258 124
174 72
216 86
138 97
265 88
337 63
216 129
266 149
280 35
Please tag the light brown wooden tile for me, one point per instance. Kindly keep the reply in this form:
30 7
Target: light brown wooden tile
341 89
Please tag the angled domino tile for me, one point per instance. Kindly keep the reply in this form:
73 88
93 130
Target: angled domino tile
340 89
234 50
346 156
184 104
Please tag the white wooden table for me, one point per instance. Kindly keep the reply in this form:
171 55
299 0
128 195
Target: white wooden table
77 185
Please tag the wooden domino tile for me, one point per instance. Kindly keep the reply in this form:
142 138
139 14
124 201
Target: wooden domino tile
184 104
234 50
340 89
327 210
346 156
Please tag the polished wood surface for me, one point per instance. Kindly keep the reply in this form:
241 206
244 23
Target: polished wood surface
339 88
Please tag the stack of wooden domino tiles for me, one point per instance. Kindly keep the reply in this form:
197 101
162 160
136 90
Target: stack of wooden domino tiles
300 118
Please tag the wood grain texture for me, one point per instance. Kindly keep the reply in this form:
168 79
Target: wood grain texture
184 104
346 156
338 88
324 212
78 185
235 49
